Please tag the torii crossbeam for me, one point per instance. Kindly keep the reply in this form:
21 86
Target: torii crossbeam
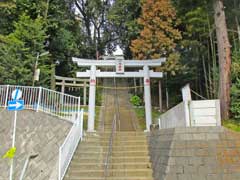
120 72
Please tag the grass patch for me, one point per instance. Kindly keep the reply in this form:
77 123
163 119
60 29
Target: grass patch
85 116
140 112
232 124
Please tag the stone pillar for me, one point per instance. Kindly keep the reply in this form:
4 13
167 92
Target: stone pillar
92 97
147 98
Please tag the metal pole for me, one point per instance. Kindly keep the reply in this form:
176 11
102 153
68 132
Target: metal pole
78 111
6 99
35 69
39 98
13 143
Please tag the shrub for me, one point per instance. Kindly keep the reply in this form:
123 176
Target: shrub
136 100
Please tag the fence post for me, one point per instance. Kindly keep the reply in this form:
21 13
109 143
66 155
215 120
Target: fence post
6 98
81 124
39 98
78 110
59 165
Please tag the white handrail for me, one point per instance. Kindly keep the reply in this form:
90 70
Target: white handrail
69 146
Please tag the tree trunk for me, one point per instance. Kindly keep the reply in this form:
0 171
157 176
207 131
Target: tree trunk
224 55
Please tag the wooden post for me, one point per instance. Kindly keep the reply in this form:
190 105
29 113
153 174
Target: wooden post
160 95
141 84
167 99
85 94
135 84
63 86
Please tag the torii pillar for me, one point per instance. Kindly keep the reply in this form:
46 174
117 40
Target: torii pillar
147 98
92 99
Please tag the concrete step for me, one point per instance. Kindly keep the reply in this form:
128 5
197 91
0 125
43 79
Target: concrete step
116 138
109 178
126 165
119 134
114 153
115 143
96 148
112 172
101 159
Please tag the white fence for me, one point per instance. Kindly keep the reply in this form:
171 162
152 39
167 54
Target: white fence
192 113
42 99
69 146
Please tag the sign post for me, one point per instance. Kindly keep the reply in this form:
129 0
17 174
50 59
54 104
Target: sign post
15 105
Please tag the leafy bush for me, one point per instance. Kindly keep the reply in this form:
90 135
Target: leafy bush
136 100
235 100
235 89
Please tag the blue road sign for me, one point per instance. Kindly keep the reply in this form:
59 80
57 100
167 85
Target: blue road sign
15 105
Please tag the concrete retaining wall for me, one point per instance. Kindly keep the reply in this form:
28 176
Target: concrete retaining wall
37 133
199 153
175 117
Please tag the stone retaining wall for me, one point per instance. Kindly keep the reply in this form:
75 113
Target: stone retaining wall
197 153
37 133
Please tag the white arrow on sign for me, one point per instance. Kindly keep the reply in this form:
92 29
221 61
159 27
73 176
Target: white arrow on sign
17 105
16 94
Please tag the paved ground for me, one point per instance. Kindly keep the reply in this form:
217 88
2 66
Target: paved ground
115 101
37 133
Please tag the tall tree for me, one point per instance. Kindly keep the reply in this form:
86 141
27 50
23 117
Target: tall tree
19 49
224 55
122 19
159 33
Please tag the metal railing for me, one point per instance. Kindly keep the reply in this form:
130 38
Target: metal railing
114 126
42 99
69 146
109 153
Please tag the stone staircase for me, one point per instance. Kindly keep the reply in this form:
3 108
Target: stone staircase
129 160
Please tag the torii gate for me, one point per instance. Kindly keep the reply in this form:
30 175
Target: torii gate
120 65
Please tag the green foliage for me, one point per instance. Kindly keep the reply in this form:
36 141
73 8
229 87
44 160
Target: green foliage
99 96
136 100
235 89
232 124
123 16
18 51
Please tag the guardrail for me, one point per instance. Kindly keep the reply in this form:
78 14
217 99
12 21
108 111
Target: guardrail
69 146
42 99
